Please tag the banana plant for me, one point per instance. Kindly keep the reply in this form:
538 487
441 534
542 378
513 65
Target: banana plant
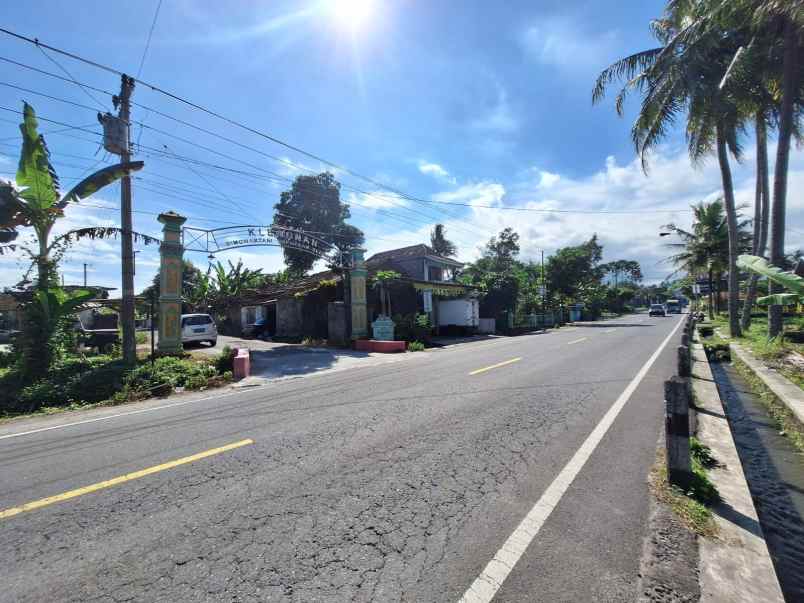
35 200
47 312
790 281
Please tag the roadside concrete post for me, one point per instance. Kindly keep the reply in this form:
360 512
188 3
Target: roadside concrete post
685 340
677 396
357 290
684 368
170 268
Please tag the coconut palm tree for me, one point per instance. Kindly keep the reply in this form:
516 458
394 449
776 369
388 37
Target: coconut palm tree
687 75
704 249
440 244
772 58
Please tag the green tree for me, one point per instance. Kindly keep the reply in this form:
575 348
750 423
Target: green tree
704 249
313 204
440 244
574 275
192 281
630 270
686 75
36 201
231 282
773 58
496 273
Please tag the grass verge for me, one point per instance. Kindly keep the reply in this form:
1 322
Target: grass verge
694 513
785 421
772 352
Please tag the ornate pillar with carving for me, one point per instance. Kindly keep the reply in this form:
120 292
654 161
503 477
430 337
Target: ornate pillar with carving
171 252
357 280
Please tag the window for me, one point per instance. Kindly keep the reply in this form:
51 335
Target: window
435 273
189 321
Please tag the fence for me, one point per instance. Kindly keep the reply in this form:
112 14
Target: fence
679 422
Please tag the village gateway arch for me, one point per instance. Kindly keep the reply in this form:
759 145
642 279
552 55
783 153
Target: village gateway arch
178 238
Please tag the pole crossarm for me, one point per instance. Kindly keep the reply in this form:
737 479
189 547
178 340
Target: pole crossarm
215 240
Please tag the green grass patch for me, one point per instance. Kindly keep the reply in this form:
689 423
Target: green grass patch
717 349
695 515
786 423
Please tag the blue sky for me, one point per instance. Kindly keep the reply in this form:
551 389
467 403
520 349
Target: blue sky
458 102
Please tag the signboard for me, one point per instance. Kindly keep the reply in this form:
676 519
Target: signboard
232 237
427 297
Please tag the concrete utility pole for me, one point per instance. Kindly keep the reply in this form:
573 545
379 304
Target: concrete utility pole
127 245
85 274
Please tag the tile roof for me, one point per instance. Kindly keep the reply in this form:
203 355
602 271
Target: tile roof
413 251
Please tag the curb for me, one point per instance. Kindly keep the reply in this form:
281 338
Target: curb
736 566
788 393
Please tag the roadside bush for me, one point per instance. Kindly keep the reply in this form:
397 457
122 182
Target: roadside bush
141 337
175 372
225 360
416 346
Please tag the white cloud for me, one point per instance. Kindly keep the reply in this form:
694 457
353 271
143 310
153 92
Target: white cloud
663 196
548 179
437 171
565 44
380 199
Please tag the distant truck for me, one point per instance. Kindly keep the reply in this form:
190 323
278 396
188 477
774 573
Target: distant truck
673 306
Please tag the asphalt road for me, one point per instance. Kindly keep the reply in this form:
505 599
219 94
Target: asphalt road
392 482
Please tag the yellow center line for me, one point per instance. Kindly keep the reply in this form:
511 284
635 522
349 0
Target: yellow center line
574 341
494 366
43 502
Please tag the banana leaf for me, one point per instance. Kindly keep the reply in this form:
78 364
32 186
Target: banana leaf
779 299
788 280
35 174
98 180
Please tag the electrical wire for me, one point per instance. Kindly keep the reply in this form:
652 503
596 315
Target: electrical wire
148 42
310 155
70 75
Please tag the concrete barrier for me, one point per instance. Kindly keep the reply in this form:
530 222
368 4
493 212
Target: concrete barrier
242 363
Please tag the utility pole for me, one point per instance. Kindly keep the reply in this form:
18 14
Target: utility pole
85 274
544 285
127 245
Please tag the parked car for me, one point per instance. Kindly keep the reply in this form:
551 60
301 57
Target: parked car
196 328
657 310
258 330
8 335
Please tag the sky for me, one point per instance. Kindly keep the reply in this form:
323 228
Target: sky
463 103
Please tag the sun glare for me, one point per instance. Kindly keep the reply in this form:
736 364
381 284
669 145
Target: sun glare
351 14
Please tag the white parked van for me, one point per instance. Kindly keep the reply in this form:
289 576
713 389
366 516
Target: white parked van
196 328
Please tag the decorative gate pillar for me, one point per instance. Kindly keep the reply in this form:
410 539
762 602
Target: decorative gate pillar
357 280
171 252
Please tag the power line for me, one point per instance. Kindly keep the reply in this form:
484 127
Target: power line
70 75
282 160
148 42
301 151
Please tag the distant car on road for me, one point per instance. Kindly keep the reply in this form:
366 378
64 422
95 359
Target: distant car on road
258 330
657 310
196 328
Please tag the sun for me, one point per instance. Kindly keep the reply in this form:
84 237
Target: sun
351 14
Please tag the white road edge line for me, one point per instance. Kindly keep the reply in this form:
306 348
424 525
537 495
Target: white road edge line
492 577
574 341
